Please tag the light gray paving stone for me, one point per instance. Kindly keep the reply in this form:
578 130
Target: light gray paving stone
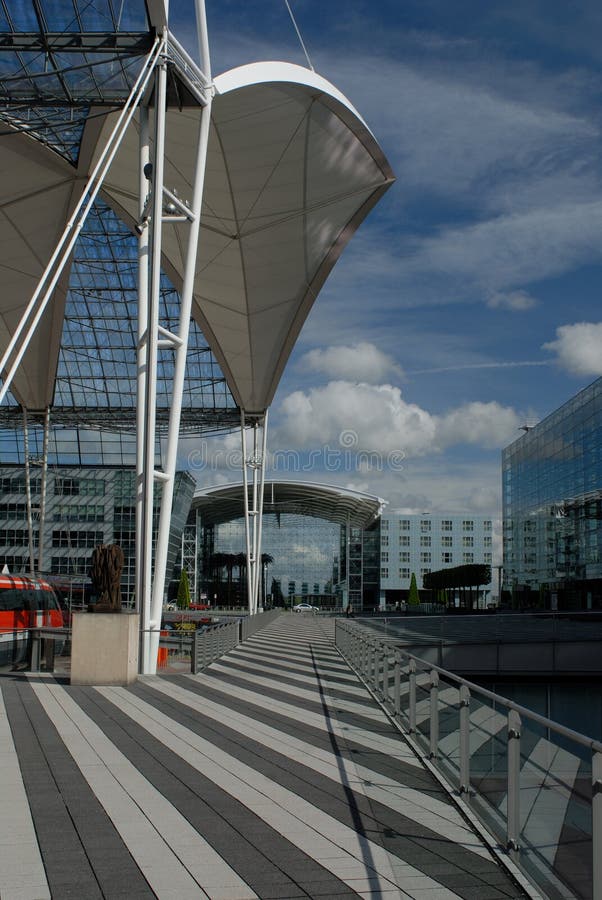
177 856
19 850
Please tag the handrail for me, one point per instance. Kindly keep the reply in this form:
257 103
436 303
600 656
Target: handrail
519 775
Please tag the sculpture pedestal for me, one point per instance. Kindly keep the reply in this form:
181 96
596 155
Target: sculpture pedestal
104 648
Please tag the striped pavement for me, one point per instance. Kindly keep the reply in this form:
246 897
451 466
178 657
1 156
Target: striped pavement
272 774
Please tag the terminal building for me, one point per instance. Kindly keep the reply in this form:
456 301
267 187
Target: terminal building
83 506
327 545
552 507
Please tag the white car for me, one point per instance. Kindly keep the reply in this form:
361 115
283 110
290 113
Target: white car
305 607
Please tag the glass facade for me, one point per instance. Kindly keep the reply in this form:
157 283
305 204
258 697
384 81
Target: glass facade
552 495
84 507
300 553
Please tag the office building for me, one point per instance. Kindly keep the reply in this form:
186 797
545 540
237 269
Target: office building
552 495
417 544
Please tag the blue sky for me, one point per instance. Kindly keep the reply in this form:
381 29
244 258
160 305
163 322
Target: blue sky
468 302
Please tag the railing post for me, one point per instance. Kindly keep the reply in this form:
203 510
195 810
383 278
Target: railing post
35 653
513 825
397 685
434 729
194 656
412 686
597 825
464 740
374 667
386 674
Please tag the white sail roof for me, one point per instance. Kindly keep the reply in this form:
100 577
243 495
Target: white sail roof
292 171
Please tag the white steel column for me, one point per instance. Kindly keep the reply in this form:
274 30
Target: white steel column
152 331
28 492
43 491
245 491
259 507
142 352
179 343
254 515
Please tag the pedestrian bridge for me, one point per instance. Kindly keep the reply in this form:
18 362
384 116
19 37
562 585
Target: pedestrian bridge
273 773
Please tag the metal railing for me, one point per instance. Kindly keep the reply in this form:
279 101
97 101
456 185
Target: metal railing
535 785
209 643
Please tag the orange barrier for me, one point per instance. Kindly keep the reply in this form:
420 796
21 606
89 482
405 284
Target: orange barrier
162 654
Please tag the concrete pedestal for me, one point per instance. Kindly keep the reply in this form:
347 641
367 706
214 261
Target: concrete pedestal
104 648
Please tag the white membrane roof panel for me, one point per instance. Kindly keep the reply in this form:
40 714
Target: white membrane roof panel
292 171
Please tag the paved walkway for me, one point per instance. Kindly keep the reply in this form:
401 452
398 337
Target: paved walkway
272 774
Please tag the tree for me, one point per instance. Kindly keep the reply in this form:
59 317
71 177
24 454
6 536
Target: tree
413 595
184 591
266 560
277 598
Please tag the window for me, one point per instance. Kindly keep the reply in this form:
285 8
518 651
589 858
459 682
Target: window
384 573
384 540
13 510
468 542
468 557
487 525
446 540
425 556
17 537
425 540
87 513
425 525
487 542
384 525
77 539
446 525
424 572
404 556
384 557
404 524
468 525
16 485
447 557
487 557
69 565
404 540
74 487
404 573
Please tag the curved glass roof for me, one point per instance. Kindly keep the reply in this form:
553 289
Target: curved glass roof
60 58
321 501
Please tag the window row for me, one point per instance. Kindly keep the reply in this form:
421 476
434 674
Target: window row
79 487
77 539
17 537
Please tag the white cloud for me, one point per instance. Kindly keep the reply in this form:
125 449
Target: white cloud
485 424
356 417
359 362
509 250
376 418
519 301
579 347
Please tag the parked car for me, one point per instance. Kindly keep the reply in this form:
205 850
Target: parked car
305 607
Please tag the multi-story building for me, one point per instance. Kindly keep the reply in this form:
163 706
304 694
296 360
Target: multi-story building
552 495
83 506
417 544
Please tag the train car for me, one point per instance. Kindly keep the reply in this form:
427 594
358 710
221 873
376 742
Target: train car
24 603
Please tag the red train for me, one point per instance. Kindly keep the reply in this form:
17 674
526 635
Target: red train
24 603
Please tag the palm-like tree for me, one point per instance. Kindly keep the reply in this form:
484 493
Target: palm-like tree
266 560
241 563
